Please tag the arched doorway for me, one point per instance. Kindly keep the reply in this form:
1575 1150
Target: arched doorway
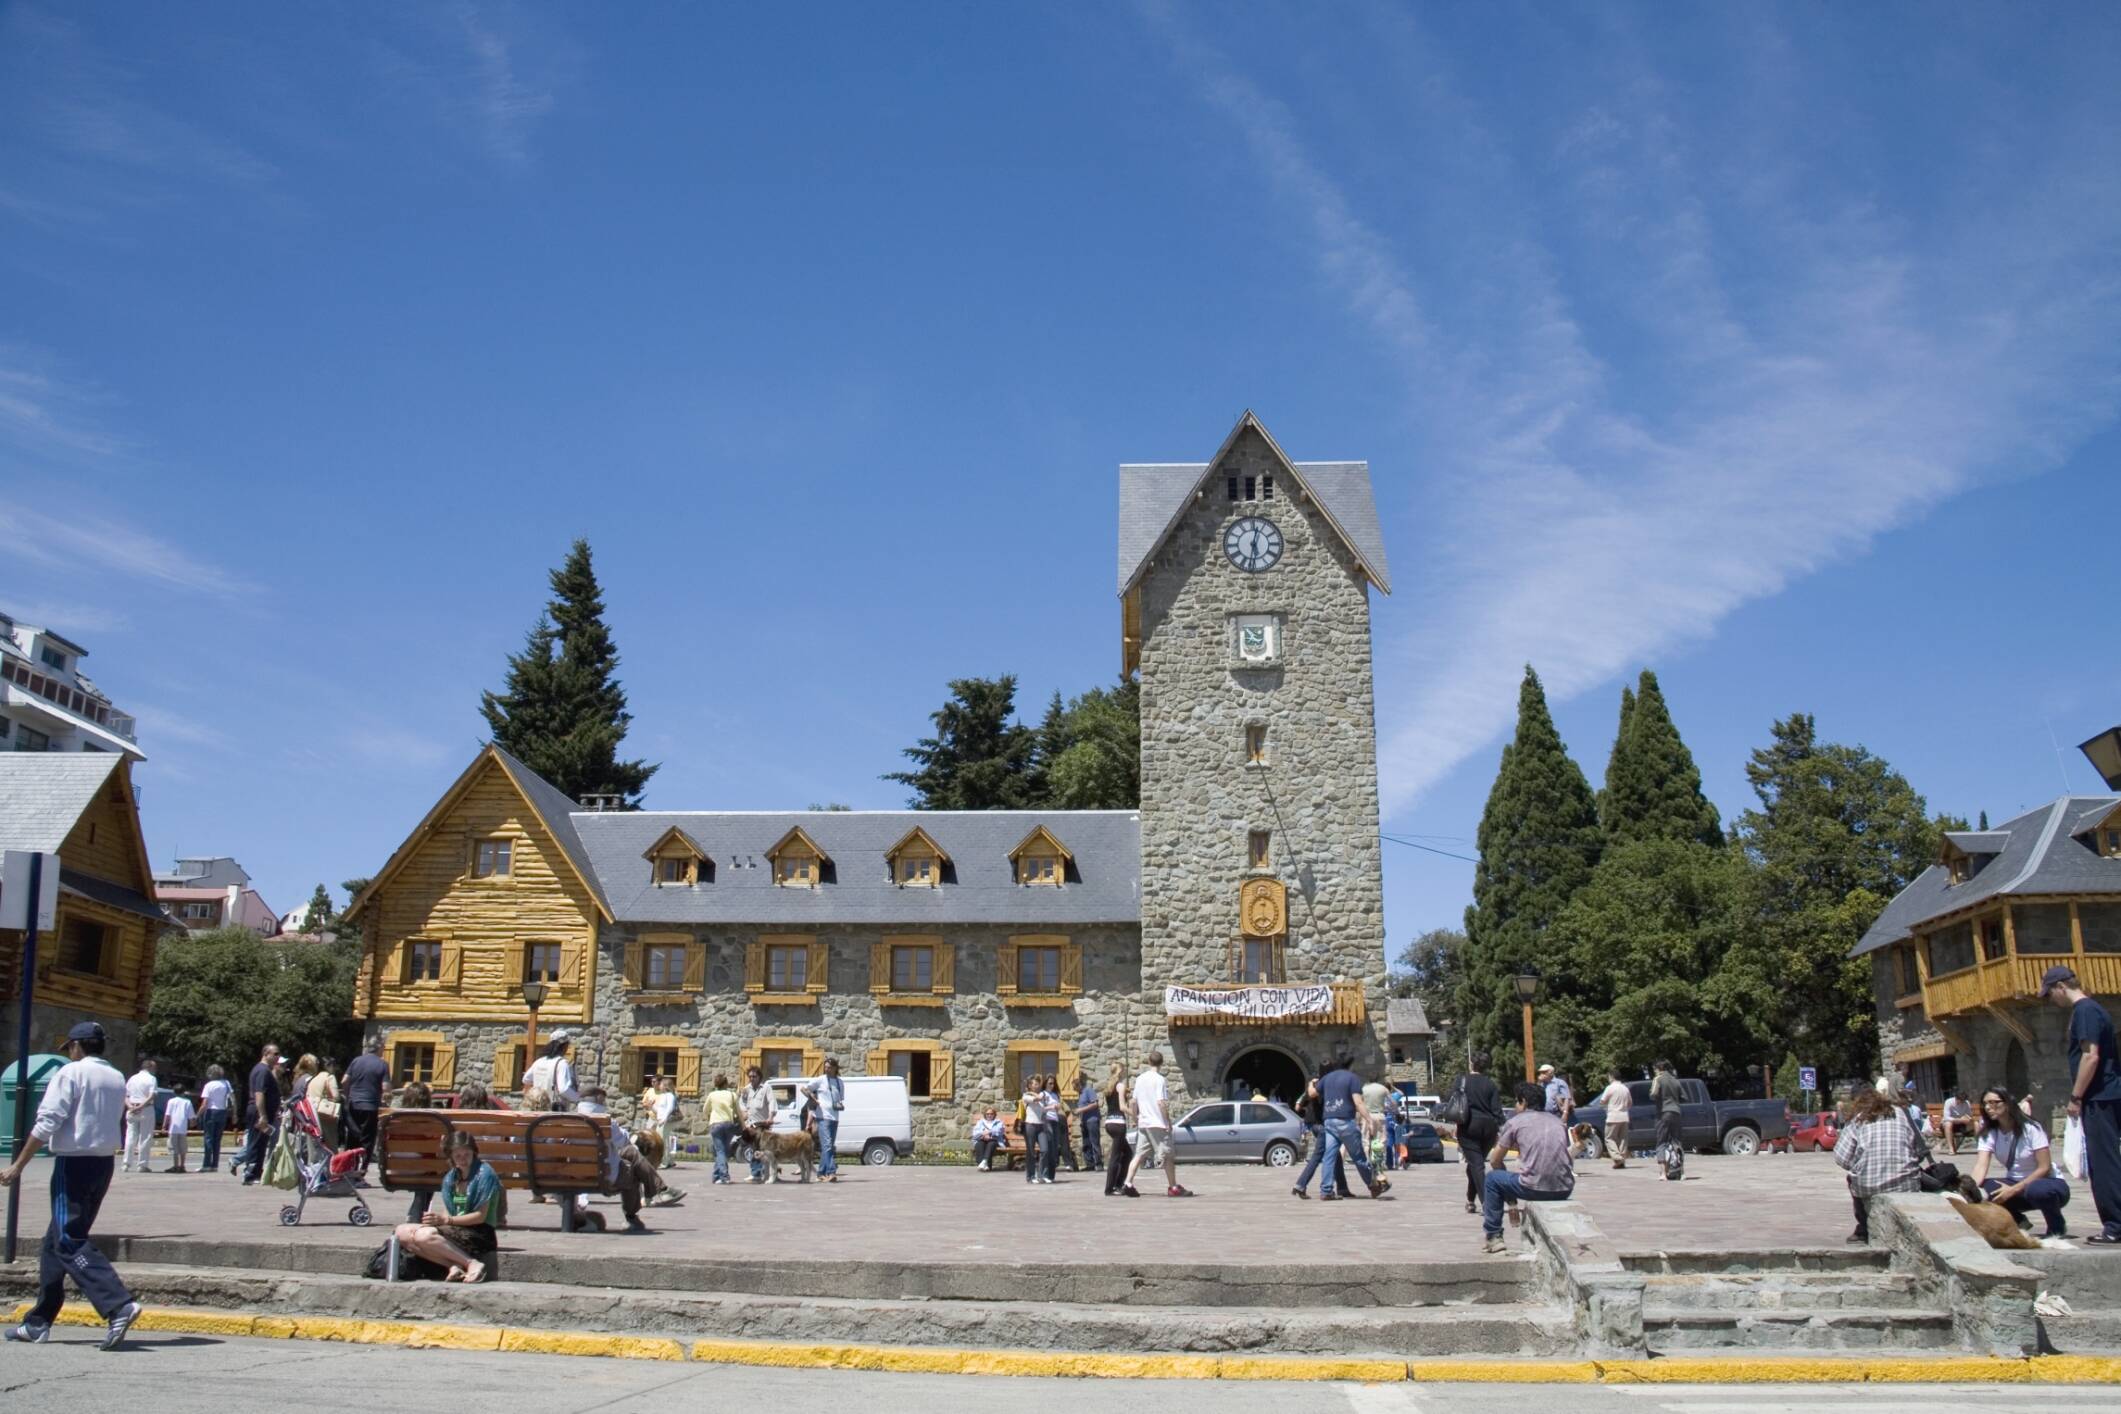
2016 1073
1265 1070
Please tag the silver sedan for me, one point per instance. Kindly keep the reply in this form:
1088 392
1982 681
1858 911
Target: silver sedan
1240 1132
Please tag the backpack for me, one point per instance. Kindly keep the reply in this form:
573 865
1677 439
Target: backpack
1672 1159
411 1267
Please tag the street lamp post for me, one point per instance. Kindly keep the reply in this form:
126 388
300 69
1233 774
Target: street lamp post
533 997
1527 993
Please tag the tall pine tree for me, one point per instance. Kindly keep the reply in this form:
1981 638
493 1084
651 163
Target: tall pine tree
1652 786
562 712
1538 843
978 758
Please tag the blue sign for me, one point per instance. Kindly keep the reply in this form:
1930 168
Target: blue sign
1807 1077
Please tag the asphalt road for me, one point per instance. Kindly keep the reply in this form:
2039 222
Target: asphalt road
174 1374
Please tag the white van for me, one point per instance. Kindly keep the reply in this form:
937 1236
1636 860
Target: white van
877 1124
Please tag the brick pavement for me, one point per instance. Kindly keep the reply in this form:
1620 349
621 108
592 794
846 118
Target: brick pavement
908 1214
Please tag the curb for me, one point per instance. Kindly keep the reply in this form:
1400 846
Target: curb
943 1360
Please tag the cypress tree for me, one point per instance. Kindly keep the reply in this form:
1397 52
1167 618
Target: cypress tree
1652 786
1620 740
1538 843
561 711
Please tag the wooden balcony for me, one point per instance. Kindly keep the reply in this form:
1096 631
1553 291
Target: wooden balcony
1348 1008
2014 978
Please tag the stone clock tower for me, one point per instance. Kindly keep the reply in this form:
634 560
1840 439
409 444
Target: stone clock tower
1245 589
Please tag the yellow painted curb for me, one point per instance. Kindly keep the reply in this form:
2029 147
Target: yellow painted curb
1509 1372
2075 1369
616 1347
1296 1367
1826 1369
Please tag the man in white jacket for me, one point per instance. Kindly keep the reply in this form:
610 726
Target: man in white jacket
79 1121
139 1116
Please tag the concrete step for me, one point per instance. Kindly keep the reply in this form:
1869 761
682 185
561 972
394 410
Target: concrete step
627 1263
1798 1259
1784 1291
2086 1333
1672 1328
1491 1329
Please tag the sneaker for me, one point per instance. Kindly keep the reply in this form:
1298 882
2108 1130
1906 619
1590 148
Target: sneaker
1299 1193
1494 1245
1178 1191
635 1227
983 1168
1130 1191
1856 1239
29 1334
1329 1197
1384 1186
119 1325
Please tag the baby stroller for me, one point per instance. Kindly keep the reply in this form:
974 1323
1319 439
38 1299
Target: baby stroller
319 1173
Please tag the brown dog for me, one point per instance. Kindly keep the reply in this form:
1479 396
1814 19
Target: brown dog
777 1149
651 1147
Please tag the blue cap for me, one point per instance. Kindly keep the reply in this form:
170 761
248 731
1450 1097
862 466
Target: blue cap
85 1031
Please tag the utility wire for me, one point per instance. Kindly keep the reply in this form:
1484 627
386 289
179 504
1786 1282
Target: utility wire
1432 849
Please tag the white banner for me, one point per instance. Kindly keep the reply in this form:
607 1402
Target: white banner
1253 1003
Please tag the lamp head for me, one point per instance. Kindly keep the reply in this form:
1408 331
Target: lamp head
534 995
1527 985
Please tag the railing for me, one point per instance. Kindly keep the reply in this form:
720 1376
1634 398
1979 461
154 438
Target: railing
72 698
1347 1008
2016 979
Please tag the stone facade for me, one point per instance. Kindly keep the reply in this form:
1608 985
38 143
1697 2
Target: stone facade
1317 794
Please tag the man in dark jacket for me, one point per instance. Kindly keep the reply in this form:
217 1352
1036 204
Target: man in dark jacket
1483 1121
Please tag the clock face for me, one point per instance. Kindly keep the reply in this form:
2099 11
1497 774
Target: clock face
1253 544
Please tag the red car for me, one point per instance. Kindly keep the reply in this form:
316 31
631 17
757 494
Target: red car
1816 1131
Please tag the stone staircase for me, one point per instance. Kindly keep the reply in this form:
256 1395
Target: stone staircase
1833 1299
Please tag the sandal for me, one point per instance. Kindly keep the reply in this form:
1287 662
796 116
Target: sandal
453 1274
2103 1239
476 1267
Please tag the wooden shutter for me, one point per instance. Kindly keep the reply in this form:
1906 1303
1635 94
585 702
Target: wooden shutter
754 966
745 1060
879 974
452 964
1005 971
820 959
636 965
880 1062
445 1066
1071 969
398 955
571 977
688 1082
1012 1076
504 1067
629 1071
942 1075
695 967
944 978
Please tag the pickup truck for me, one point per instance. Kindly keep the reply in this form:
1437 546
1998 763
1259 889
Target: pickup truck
1733 1126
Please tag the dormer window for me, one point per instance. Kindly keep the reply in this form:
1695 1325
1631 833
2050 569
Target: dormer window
1961 867
676 861
1041 859
797 861
916 861
2110 843
51 657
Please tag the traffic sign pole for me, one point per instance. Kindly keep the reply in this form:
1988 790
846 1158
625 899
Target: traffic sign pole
25 998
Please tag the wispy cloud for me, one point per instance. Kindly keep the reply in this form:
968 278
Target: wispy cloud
42 416
82 540
159 724
381 744
65 616
507 106
1599 510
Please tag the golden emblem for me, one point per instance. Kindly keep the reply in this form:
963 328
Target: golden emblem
1263 906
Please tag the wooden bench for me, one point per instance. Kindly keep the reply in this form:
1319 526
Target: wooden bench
557 1154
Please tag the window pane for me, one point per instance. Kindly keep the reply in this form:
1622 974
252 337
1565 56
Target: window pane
912 969
665 966
787 969
1213 1115
656 1063
542 963
779 1064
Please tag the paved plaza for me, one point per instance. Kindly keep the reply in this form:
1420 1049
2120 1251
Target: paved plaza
908 1214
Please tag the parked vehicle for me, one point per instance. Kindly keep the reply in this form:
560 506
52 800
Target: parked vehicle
877 1124
1246 1132
1424 1144
1815 1131
1417 1105
1732 1126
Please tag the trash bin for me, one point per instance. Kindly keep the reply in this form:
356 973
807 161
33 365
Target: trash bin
41 1070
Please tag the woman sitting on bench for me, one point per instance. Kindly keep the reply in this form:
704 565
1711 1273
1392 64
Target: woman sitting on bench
458 1234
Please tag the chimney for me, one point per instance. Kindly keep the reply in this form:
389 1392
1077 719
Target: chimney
2104 752
598 804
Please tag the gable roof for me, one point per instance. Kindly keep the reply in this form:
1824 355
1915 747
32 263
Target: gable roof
673 833
2040 854
1406 1016
919 835
1154 495
1040 832
43 794
552 810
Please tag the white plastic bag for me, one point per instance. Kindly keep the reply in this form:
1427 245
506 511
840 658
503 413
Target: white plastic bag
2073 1149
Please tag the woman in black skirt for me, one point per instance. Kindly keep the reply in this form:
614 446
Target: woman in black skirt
458 1232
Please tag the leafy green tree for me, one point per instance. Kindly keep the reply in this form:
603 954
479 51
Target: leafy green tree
221 995
1090 750
978 759
1428 968
561 711
1647 936
1538 843
1789 1082
1836 834
1652 786
319 911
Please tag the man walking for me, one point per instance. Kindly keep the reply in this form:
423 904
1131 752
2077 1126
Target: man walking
1346 1116
1666 1097
1615 1100
755 1103
1559 1102
2094 1095
216 1097
264 1114
78 1121
829 1094
1151 1100
139 1116
367 1087
1544 1174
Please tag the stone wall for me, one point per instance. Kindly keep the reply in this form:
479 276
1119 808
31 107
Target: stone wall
48 1025
1317 795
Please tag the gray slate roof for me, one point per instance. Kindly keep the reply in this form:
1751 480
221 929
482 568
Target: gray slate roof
2041 855
115 895
1152 494
558 814
42 794
1106 845
1405 1016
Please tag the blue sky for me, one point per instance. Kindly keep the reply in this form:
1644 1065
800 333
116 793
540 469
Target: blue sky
1771 347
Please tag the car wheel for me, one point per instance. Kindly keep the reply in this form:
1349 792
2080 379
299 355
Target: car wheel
1281 1154
1592 1147
879 1153
1741 1140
